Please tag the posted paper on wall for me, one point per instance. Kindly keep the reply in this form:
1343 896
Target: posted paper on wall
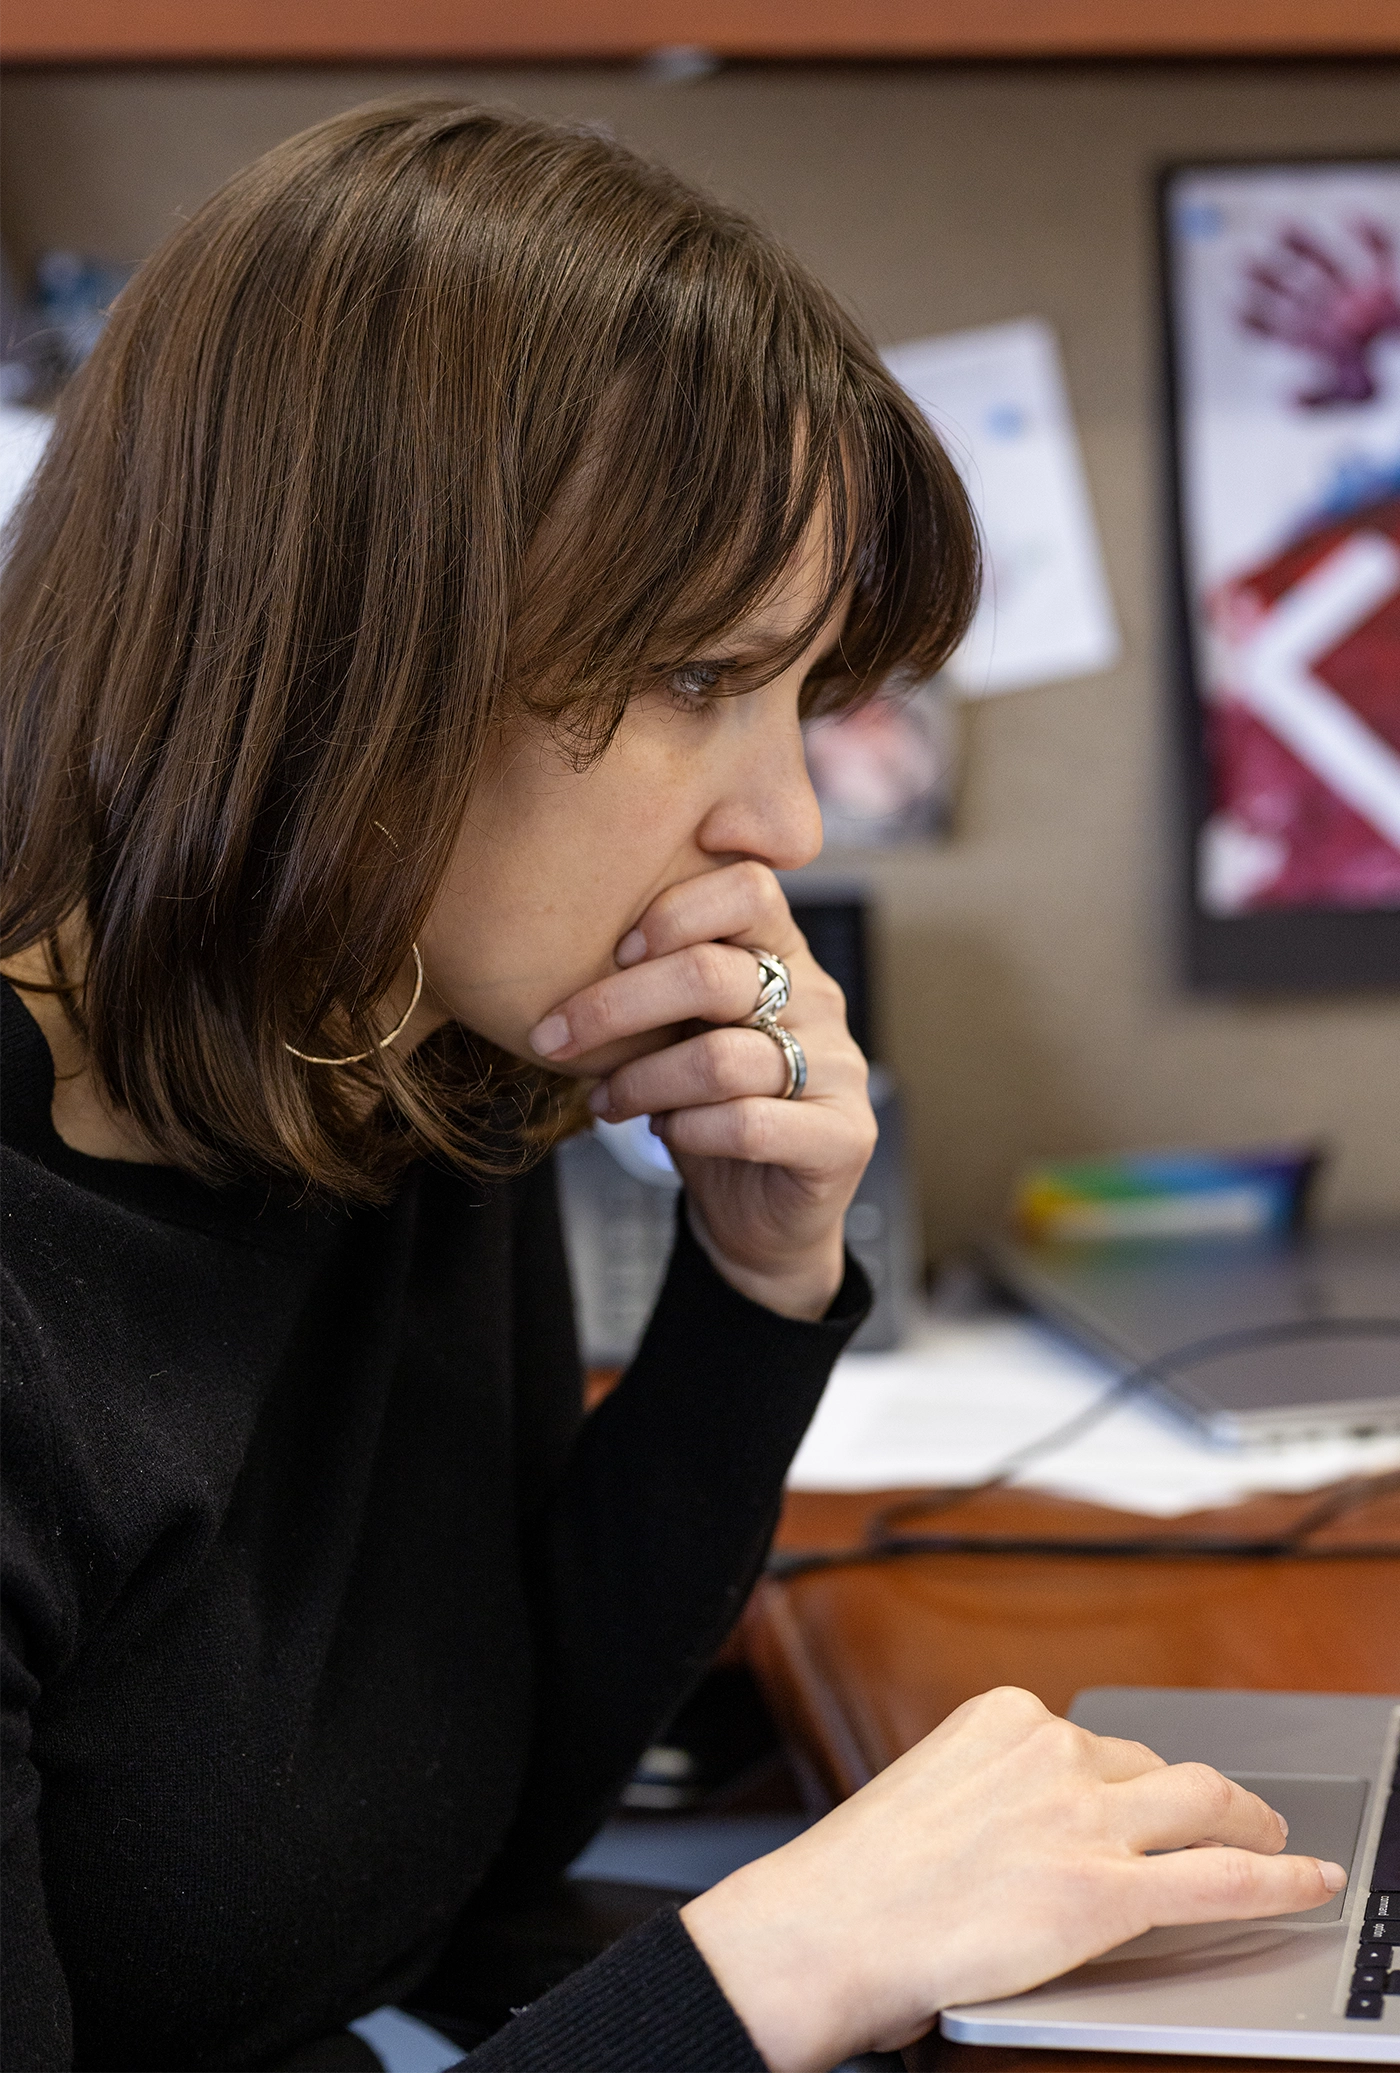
23 437
997 398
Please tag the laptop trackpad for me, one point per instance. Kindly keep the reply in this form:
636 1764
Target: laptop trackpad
1324 1820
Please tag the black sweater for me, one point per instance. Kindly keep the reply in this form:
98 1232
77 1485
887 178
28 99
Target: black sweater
326 1613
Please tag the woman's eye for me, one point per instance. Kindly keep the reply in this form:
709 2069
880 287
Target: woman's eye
694 684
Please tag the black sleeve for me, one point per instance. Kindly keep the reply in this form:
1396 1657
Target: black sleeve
34 1994
649 2002
648 1542
647 1525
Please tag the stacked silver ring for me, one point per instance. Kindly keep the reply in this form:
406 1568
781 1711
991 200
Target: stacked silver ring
774 987
774 993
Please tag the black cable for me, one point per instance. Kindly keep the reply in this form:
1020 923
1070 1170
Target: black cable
883 1542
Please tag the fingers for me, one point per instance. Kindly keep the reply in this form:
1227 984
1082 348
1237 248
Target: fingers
690 959
1182 1804
999 1719
1235 1885
721 1065
743 901
805 1136
1116 1762
705 982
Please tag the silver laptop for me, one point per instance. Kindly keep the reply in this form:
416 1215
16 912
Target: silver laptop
1135 1301
1322 1985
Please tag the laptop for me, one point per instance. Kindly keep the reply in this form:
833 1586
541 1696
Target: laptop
1321 1985
1134 1301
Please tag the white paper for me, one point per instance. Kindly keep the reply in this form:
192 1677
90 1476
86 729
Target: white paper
997 398
948 1408
23 437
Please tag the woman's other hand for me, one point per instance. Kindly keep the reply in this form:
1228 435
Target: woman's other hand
768 1180
1005 1848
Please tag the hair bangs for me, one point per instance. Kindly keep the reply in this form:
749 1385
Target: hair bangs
737 421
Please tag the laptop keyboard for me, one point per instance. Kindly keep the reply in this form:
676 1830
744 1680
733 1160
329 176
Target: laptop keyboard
1378 1959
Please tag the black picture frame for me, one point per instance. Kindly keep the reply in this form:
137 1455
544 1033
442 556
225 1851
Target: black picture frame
1302 950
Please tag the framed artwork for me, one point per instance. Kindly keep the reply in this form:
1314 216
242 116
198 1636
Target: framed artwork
1282 287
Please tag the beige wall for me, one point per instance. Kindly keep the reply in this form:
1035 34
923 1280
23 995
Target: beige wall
1028 986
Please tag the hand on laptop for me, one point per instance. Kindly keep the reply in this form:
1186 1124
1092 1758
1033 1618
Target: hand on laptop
1007 1847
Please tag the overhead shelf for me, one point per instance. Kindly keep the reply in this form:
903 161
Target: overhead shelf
166 31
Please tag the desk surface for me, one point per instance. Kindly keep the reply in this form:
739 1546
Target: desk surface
859 1663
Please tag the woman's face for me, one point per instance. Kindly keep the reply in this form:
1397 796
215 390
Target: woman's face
554 866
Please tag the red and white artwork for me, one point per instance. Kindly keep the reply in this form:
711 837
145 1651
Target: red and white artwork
1287 313
1304 730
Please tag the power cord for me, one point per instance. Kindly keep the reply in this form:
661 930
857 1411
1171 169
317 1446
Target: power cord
884 1541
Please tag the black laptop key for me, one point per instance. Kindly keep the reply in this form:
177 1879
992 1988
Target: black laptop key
1374 1954
1369 1979
1381 1932
1366 2008
1383 1904
1385 1872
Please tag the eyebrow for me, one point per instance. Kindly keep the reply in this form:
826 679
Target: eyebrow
750 633
759 635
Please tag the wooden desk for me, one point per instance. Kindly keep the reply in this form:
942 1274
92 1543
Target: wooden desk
857 1664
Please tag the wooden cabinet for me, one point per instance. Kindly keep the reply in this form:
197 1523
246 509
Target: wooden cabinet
40 31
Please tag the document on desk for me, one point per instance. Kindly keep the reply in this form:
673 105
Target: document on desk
949 1407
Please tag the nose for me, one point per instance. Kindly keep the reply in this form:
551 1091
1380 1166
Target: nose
768 809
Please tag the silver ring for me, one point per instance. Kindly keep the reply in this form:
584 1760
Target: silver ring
774 987
793 1054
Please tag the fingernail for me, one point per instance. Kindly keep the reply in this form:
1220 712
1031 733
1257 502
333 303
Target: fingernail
551 1036
599 1100
632 949
1282 1823
1333 1877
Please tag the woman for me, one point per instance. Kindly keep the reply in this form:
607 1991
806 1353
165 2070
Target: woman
409 633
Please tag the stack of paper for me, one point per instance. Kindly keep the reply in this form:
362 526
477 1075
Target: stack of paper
950 1406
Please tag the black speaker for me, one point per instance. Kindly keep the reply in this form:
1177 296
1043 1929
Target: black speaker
834 923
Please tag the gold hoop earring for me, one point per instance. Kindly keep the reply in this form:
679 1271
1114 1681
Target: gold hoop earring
359 1057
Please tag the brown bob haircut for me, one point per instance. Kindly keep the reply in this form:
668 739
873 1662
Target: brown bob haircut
286 566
